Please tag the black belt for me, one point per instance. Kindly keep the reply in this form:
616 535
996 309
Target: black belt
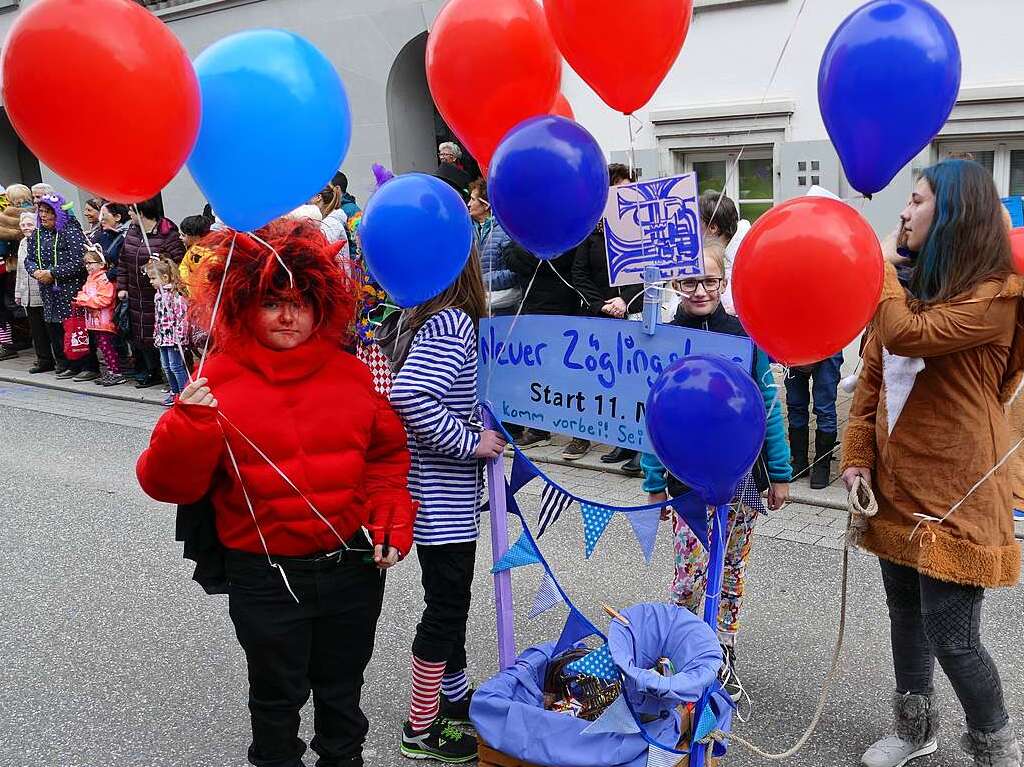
358 552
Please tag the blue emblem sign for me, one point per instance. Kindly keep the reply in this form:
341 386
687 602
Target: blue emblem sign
585 377
653 223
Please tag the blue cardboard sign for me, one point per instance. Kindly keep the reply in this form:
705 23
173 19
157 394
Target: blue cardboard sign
1015 205
653 223
585 377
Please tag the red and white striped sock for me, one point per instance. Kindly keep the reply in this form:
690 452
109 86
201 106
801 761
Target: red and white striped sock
5 334
426 687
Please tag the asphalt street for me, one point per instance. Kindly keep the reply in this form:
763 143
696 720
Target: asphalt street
113 656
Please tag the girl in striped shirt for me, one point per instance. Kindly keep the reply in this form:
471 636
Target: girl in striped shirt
435 394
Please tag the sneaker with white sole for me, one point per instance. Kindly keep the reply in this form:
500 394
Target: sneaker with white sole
727 674
441 741
893 751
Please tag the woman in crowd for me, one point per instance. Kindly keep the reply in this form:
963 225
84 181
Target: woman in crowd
591 279
305 584
54 259
701 308
501 284
954 347
150 235
28 295
435 394
91 214
333 219
114 223
19 200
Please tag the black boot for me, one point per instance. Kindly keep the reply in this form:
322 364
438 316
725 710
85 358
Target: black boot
824 444
617 455
798 448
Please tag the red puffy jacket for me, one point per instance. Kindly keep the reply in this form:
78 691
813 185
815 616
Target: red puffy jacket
314 412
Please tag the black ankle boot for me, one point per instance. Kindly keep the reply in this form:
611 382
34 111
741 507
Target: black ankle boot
798 439
824 444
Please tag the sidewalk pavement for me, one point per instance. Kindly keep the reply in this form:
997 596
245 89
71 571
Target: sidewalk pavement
813 517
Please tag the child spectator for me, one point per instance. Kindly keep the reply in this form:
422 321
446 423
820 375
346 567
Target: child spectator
193 230
97 299
170 330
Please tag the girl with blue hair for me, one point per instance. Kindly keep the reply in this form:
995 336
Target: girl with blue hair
928 433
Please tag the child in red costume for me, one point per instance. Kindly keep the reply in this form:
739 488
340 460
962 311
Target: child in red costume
303 463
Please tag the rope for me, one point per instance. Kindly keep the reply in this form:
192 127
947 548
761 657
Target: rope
855 499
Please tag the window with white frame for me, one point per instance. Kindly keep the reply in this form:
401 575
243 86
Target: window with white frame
1004 159
751 182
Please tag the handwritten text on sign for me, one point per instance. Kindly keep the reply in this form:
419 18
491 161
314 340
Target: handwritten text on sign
585 377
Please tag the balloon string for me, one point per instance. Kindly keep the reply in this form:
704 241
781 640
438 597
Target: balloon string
760 110
511 328
145 237
216 306
261 241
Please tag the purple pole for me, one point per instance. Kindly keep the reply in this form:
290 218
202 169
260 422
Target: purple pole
712 600
499 545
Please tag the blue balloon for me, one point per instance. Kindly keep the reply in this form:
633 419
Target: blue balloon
416 237
275 126
706 420
888 81
548 184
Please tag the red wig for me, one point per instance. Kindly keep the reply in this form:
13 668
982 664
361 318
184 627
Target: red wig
255 272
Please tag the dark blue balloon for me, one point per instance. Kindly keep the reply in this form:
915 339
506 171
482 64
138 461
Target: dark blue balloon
275 125
548 184
416 237
706 421
888 81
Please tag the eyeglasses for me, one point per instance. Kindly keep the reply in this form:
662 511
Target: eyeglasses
710 284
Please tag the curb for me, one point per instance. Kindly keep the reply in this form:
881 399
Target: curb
95 391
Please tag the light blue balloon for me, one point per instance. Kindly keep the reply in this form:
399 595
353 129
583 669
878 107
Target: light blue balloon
276 125
416 237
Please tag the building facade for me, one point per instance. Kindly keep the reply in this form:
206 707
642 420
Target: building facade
720 97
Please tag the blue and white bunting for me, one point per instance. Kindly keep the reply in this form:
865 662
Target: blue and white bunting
750 496
645 527
595 521
659 757
547 596
522 553
691 509
616 719
523 472
577 627
552 503
596 663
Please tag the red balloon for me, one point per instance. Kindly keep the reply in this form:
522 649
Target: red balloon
491 65
103 93
624 76
1017 243
562 107
807 279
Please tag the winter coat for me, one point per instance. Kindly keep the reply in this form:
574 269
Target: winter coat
349 205
61 253
194 257
26 287
333 226
953 366
773 465
313 411
170 327
493 244
111 242
131 275
10 233
590 276
549 294
97 298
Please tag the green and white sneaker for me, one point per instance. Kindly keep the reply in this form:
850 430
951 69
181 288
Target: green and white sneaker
441 741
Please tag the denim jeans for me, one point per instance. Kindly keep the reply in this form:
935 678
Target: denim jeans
931 619
322 644
825 387
174 368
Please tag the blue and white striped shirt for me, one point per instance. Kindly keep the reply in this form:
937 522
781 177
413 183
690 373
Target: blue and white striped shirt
435 394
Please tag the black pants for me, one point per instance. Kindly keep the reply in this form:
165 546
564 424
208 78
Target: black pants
447 588
46 353
147 361
323 643
932 619
56 332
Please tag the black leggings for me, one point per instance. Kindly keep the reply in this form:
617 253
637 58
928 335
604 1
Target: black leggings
932 619
447 589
